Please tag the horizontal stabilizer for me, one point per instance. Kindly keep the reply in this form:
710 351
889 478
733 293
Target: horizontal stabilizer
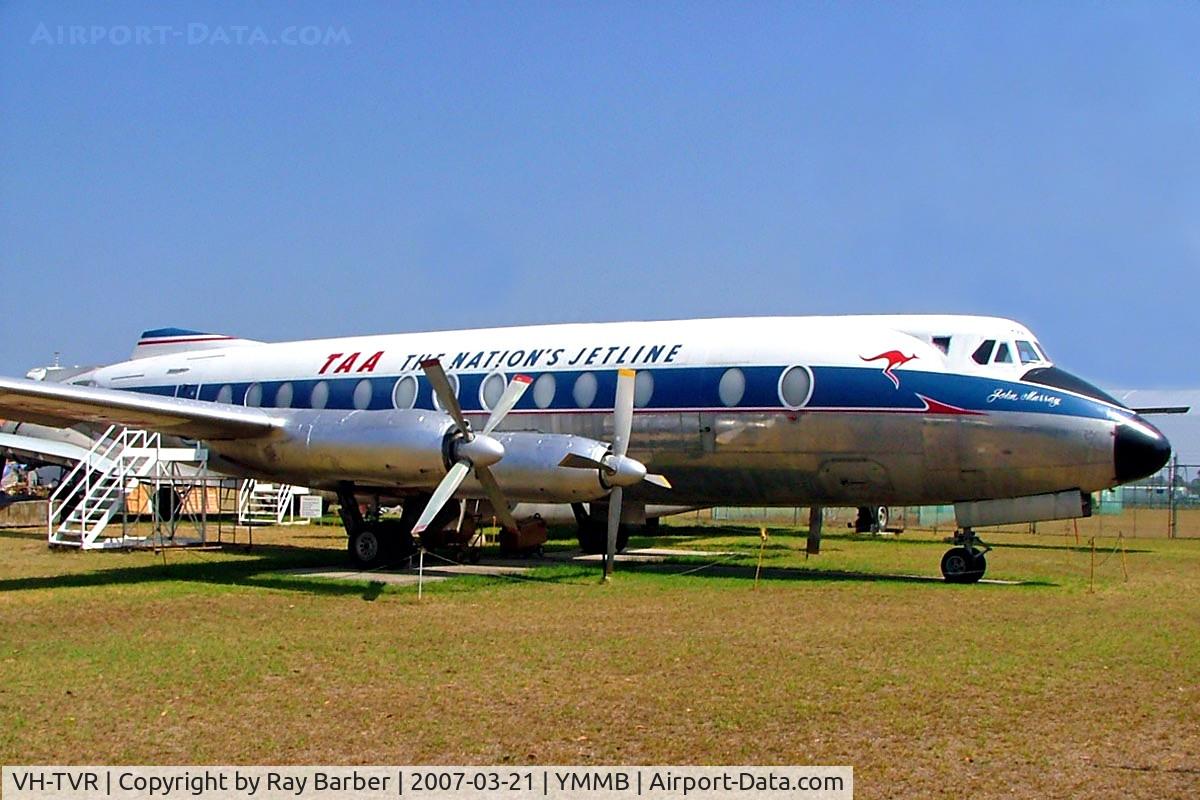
162 341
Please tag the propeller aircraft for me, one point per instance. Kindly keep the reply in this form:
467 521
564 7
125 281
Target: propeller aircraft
612 417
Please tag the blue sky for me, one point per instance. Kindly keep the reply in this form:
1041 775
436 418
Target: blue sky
446 165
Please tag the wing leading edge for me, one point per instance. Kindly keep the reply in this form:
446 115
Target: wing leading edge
62 405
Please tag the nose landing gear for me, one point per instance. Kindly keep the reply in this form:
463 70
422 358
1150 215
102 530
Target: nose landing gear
965 562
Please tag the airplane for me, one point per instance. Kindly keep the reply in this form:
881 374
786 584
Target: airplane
762 411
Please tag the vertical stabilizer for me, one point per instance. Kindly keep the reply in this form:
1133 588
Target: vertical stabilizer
162 341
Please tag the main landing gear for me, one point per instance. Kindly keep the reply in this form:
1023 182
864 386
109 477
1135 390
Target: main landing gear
371 542
593 529
965 562
871 519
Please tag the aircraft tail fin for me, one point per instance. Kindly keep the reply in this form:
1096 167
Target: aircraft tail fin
162 341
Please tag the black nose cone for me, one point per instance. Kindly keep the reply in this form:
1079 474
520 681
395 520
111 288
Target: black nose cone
1139 450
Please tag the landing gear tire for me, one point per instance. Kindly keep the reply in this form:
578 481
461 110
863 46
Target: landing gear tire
871 519
366 549
963 565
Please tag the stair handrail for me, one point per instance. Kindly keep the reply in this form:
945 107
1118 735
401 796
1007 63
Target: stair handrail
283 502
244 494
66 489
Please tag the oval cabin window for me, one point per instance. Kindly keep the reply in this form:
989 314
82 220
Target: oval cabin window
795 387
404 393
362 394
585 390
254 395
543 390
732 387
491 390
643 388
320 395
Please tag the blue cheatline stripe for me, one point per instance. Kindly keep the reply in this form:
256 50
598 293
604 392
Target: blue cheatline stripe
682 388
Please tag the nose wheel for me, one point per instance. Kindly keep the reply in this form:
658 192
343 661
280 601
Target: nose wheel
966 561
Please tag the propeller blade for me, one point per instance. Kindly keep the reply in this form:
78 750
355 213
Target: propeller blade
658 480
499 503
442 494
576 461
623 411
445 393
614 523
516 388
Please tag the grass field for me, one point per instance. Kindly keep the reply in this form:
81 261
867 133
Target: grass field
1040 689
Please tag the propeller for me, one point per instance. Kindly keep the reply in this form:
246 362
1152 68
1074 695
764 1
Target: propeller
470 450
617 469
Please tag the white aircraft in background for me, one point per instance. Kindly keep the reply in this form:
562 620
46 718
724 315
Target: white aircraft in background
779 411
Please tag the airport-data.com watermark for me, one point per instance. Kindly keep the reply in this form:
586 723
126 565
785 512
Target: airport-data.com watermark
193 33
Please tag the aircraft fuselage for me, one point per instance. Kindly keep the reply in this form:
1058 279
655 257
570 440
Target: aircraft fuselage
758 411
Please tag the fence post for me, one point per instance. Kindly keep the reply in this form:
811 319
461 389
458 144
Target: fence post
1172 508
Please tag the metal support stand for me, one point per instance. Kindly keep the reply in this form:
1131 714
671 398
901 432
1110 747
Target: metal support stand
816 517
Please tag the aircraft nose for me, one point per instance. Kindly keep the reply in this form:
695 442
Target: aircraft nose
1139 450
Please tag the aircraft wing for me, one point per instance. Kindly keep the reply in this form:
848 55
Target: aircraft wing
62 405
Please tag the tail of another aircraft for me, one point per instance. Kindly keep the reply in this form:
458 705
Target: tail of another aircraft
162 341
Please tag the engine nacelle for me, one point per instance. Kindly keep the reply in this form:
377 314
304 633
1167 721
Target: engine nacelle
530 471
414 448
402 447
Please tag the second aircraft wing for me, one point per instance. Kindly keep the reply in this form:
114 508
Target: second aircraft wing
63 405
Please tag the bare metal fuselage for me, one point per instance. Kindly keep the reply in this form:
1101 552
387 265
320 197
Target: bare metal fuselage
764 458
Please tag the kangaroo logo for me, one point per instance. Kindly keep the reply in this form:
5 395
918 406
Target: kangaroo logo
895 359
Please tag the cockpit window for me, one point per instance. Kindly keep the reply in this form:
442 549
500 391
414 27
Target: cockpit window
942 343
983 354
1003 356
1026 351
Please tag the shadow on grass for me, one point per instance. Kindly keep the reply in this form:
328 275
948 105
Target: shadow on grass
863 538
701 568
746 572
24 533
260 571
262 568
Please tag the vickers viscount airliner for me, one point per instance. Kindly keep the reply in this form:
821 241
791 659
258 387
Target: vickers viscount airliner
783 411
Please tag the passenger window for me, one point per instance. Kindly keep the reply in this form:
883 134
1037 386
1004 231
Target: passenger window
1003 356
983 354
942 343
1026 352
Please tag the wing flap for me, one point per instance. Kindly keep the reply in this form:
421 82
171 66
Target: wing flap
65 404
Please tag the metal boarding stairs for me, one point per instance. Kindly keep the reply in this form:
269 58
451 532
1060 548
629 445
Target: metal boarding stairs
262 503
95 490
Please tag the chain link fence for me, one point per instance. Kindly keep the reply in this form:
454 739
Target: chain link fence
1166 505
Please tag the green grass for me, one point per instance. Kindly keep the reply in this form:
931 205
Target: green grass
1045 688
